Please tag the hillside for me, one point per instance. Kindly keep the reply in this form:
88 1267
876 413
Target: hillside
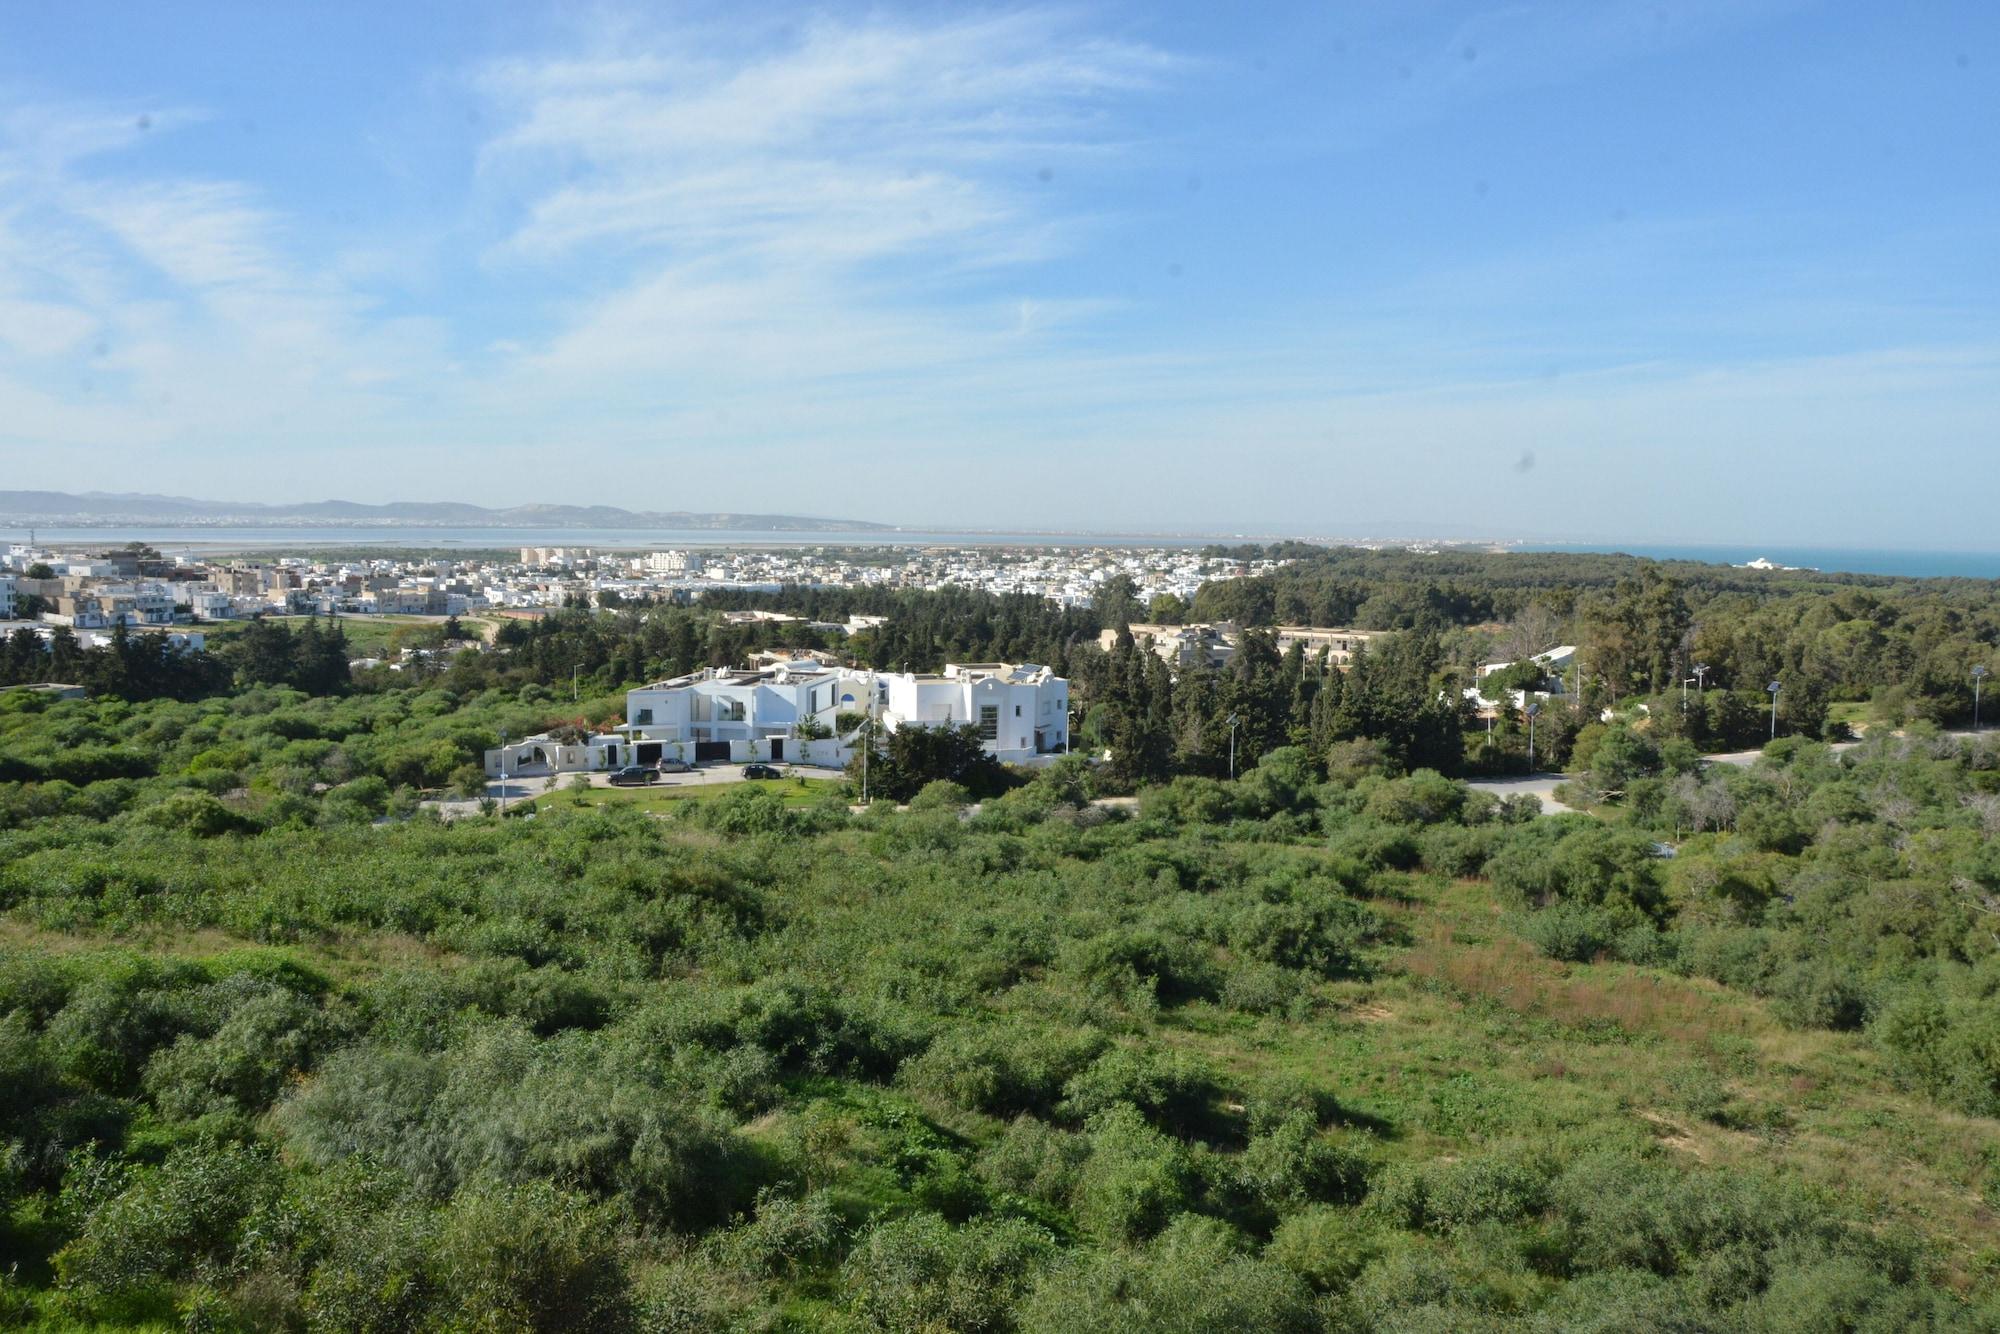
1297 1052
21 508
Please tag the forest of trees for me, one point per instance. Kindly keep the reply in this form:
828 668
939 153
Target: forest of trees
1900 650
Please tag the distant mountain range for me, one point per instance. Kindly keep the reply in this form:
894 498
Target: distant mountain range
104 509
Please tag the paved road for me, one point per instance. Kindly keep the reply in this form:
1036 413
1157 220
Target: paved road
520 789
1544 785
1538 785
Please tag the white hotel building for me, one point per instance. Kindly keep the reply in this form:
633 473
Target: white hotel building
721 715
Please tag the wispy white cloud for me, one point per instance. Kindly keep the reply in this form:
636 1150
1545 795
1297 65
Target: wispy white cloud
837 145
141 309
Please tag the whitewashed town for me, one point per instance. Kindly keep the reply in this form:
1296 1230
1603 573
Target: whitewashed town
94 589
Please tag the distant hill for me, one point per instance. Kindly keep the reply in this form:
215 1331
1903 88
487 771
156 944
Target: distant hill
93 508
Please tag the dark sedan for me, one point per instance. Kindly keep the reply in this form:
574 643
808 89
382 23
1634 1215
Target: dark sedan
635 775
760 771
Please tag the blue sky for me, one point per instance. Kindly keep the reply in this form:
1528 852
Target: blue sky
1573 270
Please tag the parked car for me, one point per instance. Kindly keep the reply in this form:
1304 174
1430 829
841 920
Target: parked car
760 771
676 767
635 775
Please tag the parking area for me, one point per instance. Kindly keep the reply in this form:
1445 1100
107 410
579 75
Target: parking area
527 787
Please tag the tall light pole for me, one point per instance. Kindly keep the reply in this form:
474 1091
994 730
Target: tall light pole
503 773
1232 747
867 738
1979 675
572 682
1774 688
1700 670
1531 711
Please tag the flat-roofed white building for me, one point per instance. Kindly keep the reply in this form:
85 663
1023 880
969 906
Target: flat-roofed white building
1021 710
744 715
1340 642
1553 661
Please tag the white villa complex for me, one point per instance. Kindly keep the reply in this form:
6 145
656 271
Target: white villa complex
794 713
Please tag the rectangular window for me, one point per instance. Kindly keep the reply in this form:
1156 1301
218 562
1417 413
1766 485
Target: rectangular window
1017 710
645 716
732 710
989 722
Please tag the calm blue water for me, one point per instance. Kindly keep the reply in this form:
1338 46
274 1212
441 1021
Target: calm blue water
1922 564
1843 560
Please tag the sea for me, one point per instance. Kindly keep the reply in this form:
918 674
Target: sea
210 539
1831 560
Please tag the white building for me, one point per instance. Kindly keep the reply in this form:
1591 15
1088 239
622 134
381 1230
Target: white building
1554 661
6 597
544 756
1180 646
674 562
745 715
1021 710
186 641
725 716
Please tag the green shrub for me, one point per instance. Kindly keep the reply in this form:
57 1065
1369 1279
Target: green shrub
1135 1180
529 1257
1292 1164
1172 1090
1325 1245
1262 988
184 1217
1197 1275
918 1274
1035 1159
1003 1071
1443 1196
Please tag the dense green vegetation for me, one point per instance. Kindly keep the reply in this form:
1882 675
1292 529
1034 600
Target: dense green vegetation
1324 1048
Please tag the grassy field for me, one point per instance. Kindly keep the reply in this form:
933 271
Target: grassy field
367 636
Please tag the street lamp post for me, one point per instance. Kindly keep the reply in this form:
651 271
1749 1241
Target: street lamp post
867 738
503 773
1532 710
1232 747
1774 688
1979 675
1700 670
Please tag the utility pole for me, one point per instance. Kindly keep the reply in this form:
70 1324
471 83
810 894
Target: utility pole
1531 711
1979 675
1774 688
503 773
572 682
1700 670
867 738
1232 747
